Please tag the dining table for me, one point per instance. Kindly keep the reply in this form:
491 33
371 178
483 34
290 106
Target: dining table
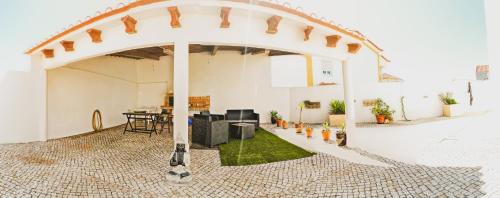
143 122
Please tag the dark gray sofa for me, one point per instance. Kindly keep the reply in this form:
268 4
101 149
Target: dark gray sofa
243 116
209 130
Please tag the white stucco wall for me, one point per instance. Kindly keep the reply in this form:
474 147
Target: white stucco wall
76 90
154 80
234 81
323 94
493 30
21 104
421 97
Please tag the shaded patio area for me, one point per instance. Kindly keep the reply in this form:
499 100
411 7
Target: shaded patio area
116 165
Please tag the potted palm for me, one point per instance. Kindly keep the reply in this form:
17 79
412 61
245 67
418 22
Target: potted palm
300 125
273 116
382 112
450 105
337 113
341 136
326 131
279 120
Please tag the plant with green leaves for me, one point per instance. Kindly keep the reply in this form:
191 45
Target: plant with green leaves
326 126
274 113
301 107
279 117
382 109
447 99
341 129
337 107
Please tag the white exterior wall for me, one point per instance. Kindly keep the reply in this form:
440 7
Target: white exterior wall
323 94
154 80
493 30
76 90
22 103
234 81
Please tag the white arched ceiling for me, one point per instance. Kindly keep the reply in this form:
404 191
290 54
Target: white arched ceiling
200 20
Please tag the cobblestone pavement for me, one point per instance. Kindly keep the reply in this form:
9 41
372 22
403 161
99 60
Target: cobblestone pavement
110 164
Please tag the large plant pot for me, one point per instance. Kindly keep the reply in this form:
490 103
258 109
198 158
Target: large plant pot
326 135
337 120
452 110
309 132
279 123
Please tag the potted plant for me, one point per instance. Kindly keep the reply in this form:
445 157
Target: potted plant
326 131
279 120
382 112
298 130
300 125
273 116
285 124
337 113
450 105
309 132
341 136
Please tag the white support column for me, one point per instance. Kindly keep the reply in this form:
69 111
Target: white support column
349 99
181 89
180 159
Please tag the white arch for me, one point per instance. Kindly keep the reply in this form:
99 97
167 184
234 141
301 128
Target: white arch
200 21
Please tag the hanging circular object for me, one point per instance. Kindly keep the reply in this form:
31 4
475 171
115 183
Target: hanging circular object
97 121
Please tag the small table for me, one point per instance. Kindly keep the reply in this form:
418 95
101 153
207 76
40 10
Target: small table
242 131
141 116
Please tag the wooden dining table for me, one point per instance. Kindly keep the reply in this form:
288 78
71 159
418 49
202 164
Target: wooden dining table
146 117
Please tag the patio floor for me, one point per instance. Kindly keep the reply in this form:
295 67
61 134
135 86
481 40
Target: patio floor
133 165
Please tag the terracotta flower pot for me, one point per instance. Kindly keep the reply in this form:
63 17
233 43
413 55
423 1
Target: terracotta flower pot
326 135
285 124
380 119
298 128
299 125
279 123
309 132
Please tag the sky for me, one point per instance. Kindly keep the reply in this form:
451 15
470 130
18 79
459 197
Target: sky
426 37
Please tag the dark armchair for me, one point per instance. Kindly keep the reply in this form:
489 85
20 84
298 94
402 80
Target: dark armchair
209 130
243 116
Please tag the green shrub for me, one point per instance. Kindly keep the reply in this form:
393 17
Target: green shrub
381 108
447 99
337 107
274 113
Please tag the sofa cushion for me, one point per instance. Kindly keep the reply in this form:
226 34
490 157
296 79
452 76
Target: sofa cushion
241 114
242 121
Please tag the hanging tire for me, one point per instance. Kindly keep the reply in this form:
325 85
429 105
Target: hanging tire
97 121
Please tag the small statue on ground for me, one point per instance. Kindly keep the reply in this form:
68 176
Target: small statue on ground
180 162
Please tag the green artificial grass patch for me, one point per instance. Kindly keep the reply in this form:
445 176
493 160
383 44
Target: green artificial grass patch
265 147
